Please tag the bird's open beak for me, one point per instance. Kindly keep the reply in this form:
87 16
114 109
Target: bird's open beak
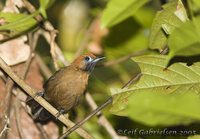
98 59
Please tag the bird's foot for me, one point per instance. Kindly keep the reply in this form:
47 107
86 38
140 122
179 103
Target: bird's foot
60 112
29 98
38 94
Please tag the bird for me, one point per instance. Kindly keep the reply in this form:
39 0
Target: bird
65 87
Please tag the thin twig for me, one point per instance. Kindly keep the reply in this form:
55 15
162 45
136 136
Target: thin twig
124 58
58 52
45 70
9 86
77 126
135 78
52 50
6 127
40 100
44 135
18 122
101 118
31 9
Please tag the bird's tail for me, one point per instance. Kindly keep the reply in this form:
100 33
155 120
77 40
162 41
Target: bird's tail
39 113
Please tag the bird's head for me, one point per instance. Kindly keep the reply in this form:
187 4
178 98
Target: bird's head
86 62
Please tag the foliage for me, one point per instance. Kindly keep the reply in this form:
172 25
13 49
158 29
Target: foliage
17 23
118 11
169 88
163 96
165 21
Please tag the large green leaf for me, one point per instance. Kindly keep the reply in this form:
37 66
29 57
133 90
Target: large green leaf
118 10
165 21
184 41
15 23
137 103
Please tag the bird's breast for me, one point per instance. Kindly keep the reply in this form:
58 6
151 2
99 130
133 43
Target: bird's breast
65 89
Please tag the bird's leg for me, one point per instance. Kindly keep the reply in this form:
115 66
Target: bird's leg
60 111
36 115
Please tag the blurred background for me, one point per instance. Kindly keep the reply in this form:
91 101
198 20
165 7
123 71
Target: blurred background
79 31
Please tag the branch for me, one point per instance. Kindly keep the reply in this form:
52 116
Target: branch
40 100
53 48
135 78
124 58
6 127
17 118
45 70
101 118
77 126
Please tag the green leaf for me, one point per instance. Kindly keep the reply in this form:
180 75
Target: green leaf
165 21
145 16
167 110
15 23
184 41
44 4
118 10
177 80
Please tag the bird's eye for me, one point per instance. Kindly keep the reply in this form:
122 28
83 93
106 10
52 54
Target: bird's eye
87 58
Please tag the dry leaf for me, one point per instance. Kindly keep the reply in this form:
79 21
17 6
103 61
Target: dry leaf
15 51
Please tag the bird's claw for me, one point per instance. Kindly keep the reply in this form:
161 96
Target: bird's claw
38 94
60 112
29 98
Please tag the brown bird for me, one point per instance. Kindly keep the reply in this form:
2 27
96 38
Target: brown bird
64 88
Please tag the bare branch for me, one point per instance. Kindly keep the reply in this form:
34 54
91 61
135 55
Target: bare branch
6 127
77 126
18 122
101 118
135 78
52 51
